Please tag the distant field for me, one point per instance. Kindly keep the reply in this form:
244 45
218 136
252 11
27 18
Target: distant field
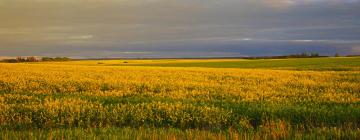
183 99
317 64
296 64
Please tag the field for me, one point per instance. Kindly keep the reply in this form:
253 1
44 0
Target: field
314 64
315 98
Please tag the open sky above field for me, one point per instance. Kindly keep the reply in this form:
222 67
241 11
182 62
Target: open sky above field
178 28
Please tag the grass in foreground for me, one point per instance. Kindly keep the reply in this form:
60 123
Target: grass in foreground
173 133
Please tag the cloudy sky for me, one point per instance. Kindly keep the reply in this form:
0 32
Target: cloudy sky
178 28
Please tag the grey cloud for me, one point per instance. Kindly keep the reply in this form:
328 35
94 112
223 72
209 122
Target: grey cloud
84 27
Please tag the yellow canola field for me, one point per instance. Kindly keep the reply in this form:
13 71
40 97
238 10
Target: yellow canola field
181 83
47 95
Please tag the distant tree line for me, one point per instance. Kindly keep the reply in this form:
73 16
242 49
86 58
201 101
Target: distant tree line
55 59
304 55
34 59
301 55
21 59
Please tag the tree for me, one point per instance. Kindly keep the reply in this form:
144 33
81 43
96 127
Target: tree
304 54
55 59
47 59
10 60
20 59
31 59
337 55
314 54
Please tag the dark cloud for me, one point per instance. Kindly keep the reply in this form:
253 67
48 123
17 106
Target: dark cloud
181 28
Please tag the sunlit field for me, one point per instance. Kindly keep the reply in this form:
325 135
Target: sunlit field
315 64
315 98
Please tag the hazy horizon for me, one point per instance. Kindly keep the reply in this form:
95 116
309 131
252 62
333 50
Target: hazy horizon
178 28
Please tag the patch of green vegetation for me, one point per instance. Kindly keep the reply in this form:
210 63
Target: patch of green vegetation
319 64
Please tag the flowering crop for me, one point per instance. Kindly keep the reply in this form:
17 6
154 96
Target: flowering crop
56 96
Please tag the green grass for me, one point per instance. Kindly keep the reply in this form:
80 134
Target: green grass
320 64
173 133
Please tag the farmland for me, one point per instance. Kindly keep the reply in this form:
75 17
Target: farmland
181 99
314 64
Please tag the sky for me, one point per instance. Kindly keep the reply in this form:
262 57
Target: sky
178 28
